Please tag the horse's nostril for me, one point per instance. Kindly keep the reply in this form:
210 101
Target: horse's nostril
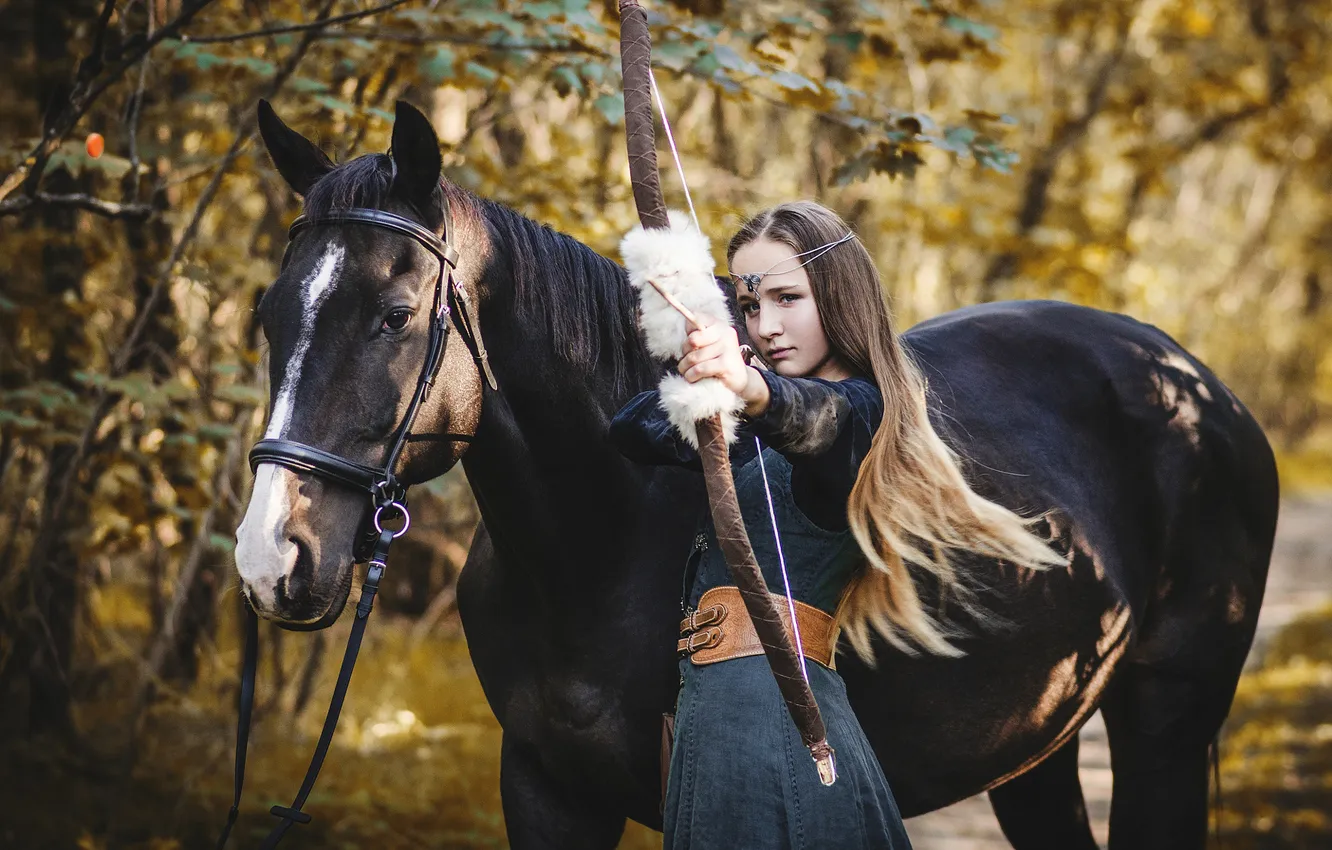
294 589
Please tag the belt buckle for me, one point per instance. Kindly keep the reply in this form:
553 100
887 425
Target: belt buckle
711 636
709 616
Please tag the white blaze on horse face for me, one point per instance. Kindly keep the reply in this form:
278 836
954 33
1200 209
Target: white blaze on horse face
264 553
314 291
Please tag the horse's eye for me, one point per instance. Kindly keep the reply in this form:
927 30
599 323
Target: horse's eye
395 321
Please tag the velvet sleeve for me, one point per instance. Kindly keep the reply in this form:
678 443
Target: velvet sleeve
824 428
643 434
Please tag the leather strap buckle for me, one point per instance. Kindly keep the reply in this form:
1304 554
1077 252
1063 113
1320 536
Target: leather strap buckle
710 616
701 639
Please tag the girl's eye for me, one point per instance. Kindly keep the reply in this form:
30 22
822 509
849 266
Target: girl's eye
395 321
749 308
787 298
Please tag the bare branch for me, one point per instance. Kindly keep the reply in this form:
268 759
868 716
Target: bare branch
314 25
490 43
499 44
135 107
109 209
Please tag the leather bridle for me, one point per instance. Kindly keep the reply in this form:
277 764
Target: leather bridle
381 484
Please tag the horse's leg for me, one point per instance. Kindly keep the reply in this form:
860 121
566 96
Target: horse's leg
1160 726
1043 809
542 814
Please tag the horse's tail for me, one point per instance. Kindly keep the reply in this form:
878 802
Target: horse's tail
1214 755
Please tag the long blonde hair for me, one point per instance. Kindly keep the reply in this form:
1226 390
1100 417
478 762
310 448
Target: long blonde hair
910 507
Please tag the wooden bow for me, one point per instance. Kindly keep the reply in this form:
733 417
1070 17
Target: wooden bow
778 646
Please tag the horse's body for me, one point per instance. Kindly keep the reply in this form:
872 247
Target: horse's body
1155 476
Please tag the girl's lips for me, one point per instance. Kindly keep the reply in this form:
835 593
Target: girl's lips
780 353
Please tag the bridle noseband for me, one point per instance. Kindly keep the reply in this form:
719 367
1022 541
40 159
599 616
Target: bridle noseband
386 493
381 483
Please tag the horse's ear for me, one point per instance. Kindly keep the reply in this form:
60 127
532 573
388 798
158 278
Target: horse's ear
416 157
298 160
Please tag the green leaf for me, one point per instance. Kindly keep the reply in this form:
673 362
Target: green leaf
438 65
596 72
481 72
850 41
19 420
995 157
730 60
854 169
566 80
241 394
956 140
74 158
336 104
206 60
707 64
884 157
974 29
578 13
502 20
794 82
543 11
674 54
705 31
221 542
305 85
216 431
611 106
89 379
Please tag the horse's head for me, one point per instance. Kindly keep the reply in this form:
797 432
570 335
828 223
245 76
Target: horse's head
348 323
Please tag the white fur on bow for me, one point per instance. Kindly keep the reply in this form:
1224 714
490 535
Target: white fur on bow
679 260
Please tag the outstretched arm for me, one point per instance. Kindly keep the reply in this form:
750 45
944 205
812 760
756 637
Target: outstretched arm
824 428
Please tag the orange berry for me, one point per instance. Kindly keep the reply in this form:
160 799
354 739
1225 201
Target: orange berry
96 144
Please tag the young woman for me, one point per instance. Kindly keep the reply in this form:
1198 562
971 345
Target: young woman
861 487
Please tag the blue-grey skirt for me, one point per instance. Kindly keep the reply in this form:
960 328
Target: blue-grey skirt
741 777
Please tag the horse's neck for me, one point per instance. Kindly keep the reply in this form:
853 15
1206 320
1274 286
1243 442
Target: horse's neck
550 485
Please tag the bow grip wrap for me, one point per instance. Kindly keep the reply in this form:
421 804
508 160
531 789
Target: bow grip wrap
640 135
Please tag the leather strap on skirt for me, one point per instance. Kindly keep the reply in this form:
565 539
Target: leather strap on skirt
720 629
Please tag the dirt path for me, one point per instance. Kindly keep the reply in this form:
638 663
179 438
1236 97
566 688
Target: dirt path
1300 579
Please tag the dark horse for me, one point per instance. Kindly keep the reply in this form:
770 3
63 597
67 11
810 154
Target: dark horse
1157 480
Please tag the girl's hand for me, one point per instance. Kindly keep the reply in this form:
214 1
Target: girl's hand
714 352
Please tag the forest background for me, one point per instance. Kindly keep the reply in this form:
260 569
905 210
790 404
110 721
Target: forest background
1164 158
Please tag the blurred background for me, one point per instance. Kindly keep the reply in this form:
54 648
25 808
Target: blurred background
1164 158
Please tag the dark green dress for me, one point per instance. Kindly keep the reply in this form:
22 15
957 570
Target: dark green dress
740 776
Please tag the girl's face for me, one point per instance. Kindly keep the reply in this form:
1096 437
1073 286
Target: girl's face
781 317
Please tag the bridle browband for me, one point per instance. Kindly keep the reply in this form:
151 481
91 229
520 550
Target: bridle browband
386 492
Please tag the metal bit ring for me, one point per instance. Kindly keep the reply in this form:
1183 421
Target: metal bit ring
406 518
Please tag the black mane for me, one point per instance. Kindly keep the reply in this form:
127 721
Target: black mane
557 282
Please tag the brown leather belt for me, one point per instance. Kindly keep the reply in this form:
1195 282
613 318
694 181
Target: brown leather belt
721 629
